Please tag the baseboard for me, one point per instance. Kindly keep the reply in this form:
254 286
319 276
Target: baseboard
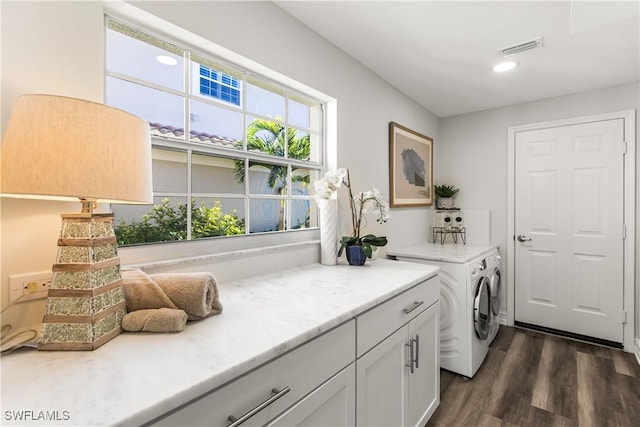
637 352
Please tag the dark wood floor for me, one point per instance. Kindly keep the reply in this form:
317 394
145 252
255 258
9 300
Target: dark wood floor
535 379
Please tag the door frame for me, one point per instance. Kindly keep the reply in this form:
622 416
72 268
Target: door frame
629 285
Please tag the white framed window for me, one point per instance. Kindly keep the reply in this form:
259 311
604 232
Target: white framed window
219 85
234 153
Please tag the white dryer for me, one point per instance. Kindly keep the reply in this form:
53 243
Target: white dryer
494 268
465 301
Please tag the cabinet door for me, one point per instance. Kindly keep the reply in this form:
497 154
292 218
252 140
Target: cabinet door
332 404
424 383
381 382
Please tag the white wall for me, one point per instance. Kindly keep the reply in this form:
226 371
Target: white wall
472 152
58 48
52 48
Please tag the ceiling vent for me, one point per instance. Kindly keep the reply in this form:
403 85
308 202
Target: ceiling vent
520 47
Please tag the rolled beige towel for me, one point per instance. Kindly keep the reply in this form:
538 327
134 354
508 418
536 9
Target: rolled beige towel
142 293
155 320
195 293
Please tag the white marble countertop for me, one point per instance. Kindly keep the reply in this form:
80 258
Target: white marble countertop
456 253
137 377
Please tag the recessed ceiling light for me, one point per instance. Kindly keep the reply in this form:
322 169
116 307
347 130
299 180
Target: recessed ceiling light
504 66
166 60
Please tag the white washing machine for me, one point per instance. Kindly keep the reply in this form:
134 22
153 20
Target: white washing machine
465 301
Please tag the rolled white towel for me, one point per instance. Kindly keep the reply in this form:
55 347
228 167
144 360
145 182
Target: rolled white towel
195 293
155 320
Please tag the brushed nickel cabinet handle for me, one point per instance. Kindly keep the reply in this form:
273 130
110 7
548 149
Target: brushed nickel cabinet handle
277 395
417 340
413 306
410 365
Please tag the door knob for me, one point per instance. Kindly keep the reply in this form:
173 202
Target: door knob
523 238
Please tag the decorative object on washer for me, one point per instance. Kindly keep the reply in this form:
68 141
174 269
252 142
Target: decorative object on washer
442 218
448 222
445 196
458 218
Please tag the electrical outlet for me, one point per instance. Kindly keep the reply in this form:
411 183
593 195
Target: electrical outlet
29 286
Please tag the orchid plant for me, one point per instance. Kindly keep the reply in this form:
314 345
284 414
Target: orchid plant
360 204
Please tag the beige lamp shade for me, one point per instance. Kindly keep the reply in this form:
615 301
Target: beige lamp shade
64 148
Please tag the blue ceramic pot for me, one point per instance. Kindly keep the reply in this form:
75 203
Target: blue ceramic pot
355 255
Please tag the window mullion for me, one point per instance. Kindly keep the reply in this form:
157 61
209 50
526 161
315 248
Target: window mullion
189 194
244 112
288 198
144 83
286 126
187 97
247 201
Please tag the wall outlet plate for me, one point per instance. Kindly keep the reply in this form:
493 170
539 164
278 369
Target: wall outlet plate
29 286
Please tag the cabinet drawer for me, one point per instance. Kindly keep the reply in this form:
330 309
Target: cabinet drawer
302 370
382 320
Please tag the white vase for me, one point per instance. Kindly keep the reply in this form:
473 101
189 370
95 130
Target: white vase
328 231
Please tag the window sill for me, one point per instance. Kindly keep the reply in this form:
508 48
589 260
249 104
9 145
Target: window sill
219 256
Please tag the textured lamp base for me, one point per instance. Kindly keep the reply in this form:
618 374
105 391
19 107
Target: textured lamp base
86 303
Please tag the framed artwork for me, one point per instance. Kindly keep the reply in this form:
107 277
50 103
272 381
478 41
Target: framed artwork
410 167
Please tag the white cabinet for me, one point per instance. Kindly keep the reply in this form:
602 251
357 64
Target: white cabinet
398 378
332 404
388 376
261 395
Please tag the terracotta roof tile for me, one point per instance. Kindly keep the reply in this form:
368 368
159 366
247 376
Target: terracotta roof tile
195 135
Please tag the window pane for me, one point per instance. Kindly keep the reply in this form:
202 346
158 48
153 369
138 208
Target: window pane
215 125
299 144
264 102
313 214
198 60
212 82
212 217
315 148
169 169
166 220
267 215
301 214
151 60
265 136
301 180
143 102
299 114
267 178
211 174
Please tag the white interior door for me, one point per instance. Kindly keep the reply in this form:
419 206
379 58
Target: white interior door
569 213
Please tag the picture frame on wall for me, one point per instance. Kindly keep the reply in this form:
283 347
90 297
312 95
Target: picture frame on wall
410 167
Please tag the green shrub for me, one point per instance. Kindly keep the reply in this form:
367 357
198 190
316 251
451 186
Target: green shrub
168 223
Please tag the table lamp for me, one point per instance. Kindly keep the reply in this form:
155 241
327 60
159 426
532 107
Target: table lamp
61 148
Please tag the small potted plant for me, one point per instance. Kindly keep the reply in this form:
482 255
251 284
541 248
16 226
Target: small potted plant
445 195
